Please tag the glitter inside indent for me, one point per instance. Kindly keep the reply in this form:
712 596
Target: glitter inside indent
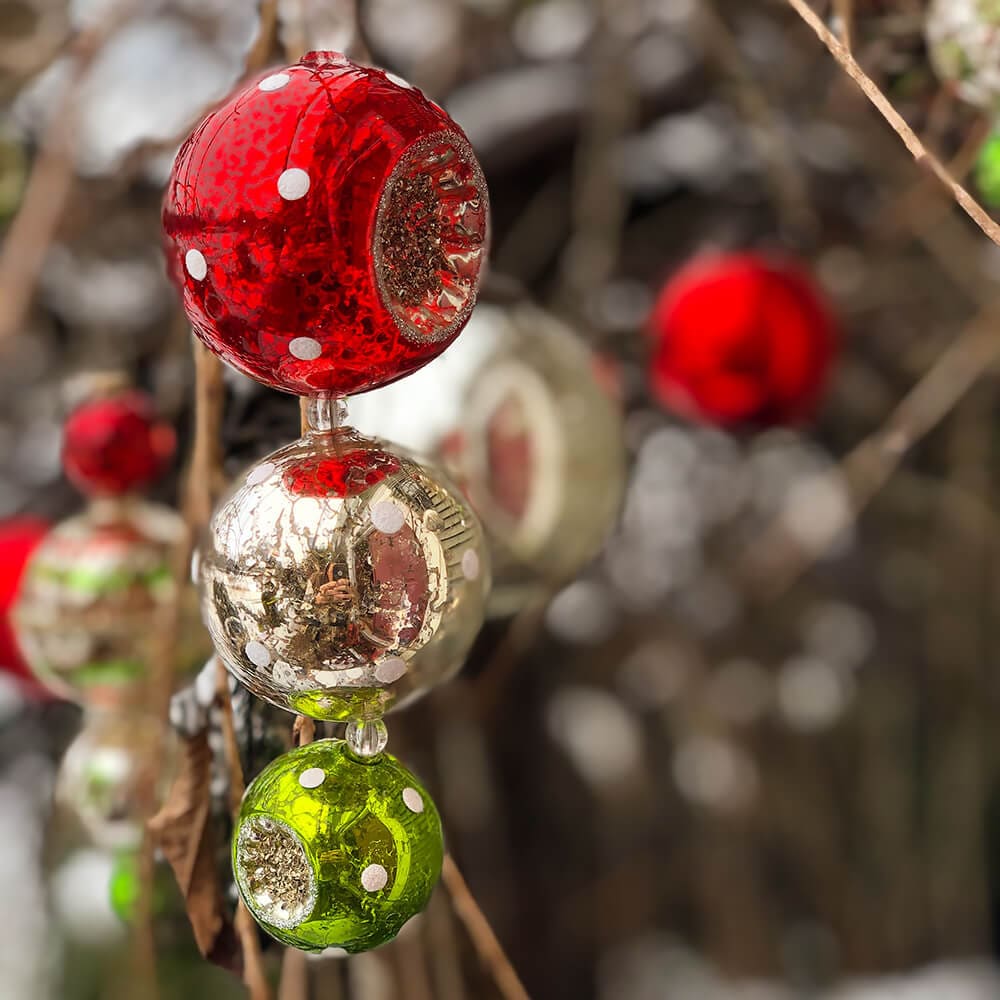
275 873
431 236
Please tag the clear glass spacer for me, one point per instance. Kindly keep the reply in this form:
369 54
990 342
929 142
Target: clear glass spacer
323 414
367 739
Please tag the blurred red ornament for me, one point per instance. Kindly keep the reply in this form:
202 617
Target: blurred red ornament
741 339
18 538
327 226
115 444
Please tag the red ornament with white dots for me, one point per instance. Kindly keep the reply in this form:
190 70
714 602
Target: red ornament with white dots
327 226
741 339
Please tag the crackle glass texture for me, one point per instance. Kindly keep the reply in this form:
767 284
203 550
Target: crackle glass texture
333 851
341 577
327 226
89 598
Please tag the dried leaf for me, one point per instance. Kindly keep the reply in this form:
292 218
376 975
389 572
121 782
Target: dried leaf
184 832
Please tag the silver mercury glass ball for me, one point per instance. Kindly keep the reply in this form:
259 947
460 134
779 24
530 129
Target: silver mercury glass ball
341 577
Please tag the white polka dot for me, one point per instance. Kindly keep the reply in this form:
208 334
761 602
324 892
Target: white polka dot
312 777
273 82
399 81
194 262
390 669
387 517
257 653
305 348
412 800
293 184
470 564
374 877
259 473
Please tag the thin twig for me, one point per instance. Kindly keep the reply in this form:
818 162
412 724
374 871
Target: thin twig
485 941
844 9
917 149
787 180
778 557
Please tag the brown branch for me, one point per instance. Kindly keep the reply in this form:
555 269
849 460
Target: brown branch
485 941
30 235
777 557
844 9
253 963
787 181
917 149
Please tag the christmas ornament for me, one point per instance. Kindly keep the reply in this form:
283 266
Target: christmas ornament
327 226
125 887
90 596
741 339
116 444
114 775
963 40
94 589
517 413
18 538
335 849
341 577
988 170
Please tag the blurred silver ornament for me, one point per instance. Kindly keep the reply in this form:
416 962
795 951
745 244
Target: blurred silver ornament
519 412
115 774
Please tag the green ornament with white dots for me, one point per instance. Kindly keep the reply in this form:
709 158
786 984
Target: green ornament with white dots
336 849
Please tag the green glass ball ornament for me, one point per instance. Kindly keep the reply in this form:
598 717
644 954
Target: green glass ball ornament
333 849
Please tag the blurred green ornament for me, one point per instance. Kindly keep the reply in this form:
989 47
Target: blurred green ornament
125 886
333 849
988 170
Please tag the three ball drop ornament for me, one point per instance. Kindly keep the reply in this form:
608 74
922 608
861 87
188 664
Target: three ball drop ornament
332 849
327 226
341 577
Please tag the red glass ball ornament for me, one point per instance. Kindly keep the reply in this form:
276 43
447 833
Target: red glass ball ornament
741 339
327 226
116 444
18 538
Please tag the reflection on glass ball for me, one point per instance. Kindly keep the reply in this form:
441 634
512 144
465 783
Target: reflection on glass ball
518 412
333 851
115 773
90 598
341 577
963 40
